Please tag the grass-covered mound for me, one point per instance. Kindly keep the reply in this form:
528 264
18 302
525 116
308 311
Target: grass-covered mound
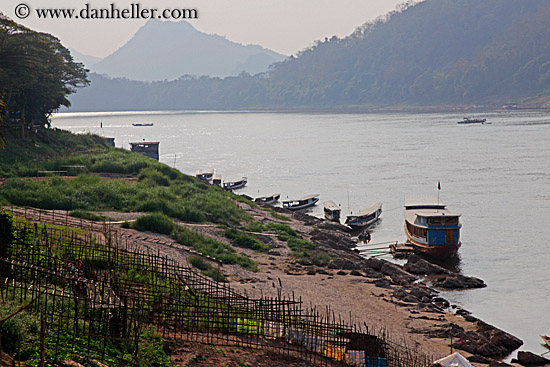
25 156
158 188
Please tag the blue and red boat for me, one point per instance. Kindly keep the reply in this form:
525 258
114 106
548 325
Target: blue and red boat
430 228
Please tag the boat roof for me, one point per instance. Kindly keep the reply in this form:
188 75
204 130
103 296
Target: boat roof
239 180
308 197
411 215
217 176
146 142
428 201
371 209
330 205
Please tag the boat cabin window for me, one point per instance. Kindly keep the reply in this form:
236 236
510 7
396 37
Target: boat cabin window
417 231
443 220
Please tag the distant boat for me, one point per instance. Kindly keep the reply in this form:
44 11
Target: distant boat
468 120
232 185
142 124
217 179
546 340
365 217
302 203
205 176
332 211
267 199
430 228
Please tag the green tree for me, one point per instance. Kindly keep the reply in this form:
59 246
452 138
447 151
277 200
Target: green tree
2 114
37 73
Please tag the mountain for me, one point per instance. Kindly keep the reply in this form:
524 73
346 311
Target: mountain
167 50
436 52
87 60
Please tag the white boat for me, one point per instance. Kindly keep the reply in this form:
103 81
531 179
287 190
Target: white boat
430 228
267 199
365 217
232 185
302 203
332 211
204 176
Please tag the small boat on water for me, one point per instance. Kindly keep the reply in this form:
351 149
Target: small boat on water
365 217
217 179
468 120
430 228
302 203
267 199
142 124
232 185
546 339
205 176
332 211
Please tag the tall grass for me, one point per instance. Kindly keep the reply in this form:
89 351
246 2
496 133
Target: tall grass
246 240
183 199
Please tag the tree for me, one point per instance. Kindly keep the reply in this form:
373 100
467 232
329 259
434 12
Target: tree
2 114
37 73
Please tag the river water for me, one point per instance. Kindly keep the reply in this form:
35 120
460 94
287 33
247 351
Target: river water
497 175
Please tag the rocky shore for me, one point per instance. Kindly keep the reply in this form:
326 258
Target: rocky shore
401 301
382 294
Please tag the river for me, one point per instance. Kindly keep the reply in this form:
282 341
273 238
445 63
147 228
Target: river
497 175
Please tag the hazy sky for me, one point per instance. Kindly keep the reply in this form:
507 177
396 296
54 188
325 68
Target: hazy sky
285 26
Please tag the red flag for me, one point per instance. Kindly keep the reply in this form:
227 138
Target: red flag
439 185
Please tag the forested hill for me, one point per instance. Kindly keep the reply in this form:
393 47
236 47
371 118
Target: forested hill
437 52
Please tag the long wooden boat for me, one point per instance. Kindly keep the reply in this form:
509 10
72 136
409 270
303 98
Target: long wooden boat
301 203
272 199
332 211
365 217
430 228
546 339
233 185
204 176
142 124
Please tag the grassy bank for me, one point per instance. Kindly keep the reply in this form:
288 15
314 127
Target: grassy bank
158 188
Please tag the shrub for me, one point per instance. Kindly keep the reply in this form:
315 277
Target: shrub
246 240
16 329
207 269
6 233
84 214
155 222
210 247
154 176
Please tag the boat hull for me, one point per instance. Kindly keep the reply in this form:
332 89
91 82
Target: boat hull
359 223
235 185
436 251
332 217
267 200
303 206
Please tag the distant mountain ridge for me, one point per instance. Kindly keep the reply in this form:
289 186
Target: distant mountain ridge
432 53
87 60
167 50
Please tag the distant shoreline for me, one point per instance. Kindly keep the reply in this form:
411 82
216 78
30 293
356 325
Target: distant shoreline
326 110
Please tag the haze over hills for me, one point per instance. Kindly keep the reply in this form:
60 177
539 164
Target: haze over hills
87 60
167 50
437 52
